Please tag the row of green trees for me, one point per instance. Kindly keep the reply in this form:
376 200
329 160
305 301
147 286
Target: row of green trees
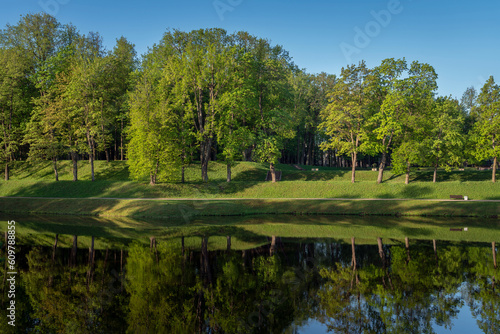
206 95
207 91
61 93
393 108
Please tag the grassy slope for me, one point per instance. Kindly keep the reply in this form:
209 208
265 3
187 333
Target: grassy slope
113 181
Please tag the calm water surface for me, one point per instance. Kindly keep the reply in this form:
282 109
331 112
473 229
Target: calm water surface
287 285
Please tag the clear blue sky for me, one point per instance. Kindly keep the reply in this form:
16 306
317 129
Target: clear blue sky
461 39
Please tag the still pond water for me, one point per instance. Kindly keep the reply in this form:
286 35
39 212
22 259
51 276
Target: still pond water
288 285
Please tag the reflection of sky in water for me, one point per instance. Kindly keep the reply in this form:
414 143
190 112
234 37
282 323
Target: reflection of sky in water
465 323
312 326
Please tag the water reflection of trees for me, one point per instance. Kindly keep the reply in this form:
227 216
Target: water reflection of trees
274 288
69 291
411 294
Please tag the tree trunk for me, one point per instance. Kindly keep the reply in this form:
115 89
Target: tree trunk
107 154
182 174
91 252
204 157
407 244
384 158
273 173
182 246
205 261
494 171
91 160
228 172
493 248
121 141
54 163
54 248
152 175
381 168
272 249
407 178
434 179
115 153
308 152
434 245
6 171
353 261
353 173
298 147
74 158
381 251
122 273
74 251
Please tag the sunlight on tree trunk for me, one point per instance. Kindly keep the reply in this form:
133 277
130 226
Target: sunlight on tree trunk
273 173
494 171
381 168
353 171
493 248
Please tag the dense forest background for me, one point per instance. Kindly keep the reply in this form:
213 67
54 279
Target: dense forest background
208 95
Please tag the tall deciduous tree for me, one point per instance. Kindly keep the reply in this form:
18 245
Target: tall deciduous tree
345 117
444 141
38 36
388 109
123 63
234 134
486 131
403 111
14 103
418 96
86 94
207 62
153 129
44 129
273 101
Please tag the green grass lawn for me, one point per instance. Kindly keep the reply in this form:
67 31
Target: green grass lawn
113 180
241 171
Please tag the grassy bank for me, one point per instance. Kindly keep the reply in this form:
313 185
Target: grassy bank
113 181
188 209
251 189
241 171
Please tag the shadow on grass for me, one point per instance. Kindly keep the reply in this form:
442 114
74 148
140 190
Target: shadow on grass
315 176
462 176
